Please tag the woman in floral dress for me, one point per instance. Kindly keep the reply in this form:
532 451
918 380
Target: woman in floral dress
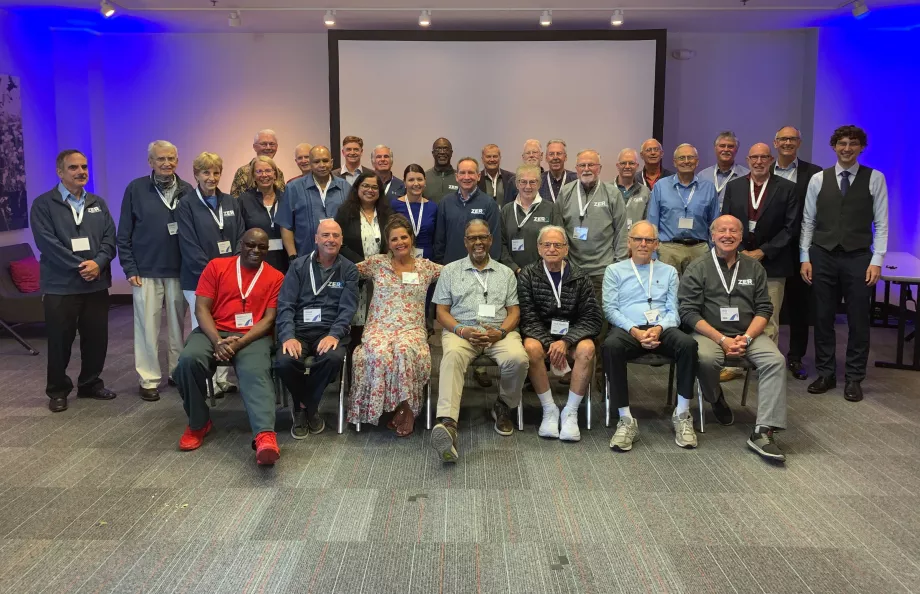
393 363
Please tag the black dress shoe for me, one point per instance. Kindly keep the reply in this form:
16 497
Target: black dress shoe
798 369
57 404
149 394
853 392
98 394
822 385
171 383
722 412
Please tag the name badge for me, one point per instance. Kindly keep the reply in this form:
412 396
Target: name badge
628 223
729 314
486 311
223 247
173 228
581 233
517 245
419 253
274 245
79 244
652 316
559 327
410 278
243 320
752 225
311 316
685 223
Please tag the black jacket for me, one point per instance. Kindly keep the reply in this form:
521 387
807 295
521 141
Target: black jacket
775 229
352 246
538 305
509 189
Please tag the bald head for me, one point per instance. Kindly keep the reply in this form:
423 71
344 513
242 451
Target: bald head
759 160
328 240
253 247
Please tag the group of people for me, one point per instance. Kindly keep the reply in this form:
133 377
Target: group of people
535 269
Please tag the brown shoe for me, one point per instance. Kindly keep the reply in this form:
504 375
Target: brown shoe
502 415
728 374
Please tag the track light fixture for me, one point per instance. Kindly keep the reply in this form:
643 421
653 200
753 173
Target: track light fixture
617 19
859 10
546 19
106 8
424 19
329 19
235 20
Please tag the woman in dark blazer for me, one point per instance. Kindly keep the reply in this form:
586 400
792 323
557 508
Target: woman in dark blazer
259 205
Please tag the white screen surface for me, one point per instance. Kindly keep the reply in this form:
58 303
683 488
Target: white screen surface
405 94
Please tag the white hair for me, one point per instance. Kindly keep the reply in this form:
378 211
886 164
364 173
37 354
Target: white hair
627 150
680 146
548 228
267 132
153 146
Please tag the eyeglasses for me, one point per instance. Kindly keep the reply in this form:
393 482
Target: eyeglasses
166 159
787 138
686 158
267 144
555 154
643 240
587 165
760 158
627 164
554 244
477 238
369 187
531 153
529 182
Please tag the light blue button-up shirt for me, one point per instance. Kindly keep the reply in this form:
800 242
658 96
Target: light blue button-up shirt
791 173
668 205
77 202
626 299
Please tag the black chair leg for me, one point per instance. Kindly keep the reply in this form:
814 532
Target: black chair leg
19 338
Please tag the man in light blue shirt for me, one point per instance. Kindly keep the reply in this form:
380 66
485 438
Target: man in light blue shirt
682 207
725 169
640 302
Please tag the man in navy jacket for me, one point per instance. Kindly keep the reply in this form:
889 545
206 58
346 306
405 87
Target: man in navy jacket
148 248
458 208
76 237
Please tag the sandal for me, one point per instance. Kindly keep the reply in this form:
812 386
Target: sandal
404 419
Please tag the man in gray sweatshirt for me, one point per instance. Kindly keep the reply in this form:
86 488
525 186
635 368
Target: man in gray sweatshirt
723 296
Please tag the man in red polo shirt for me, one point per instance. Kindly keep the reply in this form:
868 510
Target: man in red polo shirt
235 307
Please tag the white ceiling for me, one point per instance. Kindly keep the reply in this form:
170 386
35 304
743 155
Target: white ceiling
262 16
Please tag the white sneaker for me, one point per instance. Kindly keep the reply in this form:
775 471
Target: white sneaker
627 432
684 435
550 425
569 431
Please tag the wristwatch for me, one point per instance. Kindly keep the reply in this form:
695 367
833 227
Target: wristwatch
748 339
503 331
292 257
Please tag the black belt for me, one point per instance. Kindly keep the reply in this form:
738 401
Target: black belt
686 241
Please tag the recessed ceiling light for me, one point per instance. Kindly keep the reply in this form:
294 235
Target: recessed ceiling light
424 19
617 19
546 19
329 19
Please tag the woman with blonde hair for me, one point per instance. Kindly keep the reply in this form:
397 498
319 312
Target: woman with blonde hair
258 206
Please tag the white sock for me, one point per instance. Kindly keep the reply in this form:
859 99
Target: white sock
546 399
624 412
574 401
683 405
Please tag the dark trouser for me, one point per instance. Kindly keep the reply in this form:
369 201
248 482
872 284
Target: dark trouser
307 389
64 315
620 347
846 270
799 309
253 368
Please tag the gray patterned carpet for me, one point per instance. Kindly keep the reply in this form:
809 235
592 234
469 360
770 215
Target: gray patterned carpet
99 499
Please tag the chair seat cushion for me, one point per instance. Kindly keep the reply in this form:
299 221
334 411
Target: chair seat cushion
25 274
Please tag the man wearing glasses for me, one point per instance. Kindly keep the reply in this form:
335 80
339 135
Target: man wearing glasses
560 318
556 174
265 143
652 171
532 153
788 165
682 208
523 218
640 302
839 251
594 215
477 305
635 194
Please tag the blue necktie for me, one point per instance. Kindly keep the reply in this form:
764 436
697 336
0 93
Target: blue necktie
844 182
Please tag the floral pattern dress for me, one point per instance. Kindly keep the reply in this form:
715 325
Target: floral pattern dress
392 363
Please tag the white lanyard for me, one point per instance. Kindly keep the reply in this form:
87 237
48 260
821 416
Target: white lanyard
689 198
651 274
220 211
175 201
715 178
728 288
494 183
421 208
77 216
482 281
755 202
322 192
313 277
533 209
272 211
583 208
549 182
386 189
557 291
239 279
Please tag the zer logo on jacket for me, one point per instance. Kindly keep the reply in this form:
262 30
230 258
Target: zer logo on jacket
335 285
540 220
93 209
228 213
476 211
600 204
746 282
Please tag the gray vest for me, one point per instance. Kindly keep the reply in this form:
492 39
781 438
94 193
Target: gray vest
844 221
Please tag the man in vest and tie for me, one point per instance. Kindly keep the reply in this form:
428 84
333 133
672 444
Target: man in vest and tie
838 251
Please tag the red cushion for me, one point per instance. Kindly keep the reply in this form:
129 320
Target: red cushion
25 274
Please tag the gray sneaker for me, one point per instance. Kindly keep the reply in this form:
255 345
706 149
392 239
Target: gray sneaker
444 441
315 424
765 445
684 435
299 430
627 432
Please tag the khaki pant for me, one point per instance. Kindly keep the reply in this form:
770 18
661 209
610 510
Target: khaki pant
148 312
679 255
777 288
508 352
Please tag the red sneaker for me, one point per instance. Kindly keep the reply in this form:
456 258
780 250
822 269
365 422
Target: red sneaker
266 446
192 438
